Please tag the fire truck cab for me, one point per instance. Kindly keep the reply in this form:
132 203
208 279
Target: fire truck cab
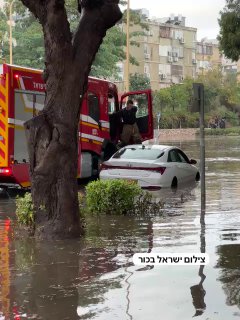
22 95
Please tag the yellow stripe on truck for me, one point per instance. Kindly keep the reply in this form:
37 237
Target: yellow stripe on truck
25 184
92 125
4 121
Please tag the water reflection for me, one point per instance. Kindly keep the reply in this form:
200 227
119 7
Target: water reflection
198 294
229 262
45 279
174 198
197 291
4 268
108 269
93 278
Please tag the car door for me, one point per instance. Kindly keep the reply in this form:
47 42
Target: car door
188 171
143 101
174 165
183 169
179 165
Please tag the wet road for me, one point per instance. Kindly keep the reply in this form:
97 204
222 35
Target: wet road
93 278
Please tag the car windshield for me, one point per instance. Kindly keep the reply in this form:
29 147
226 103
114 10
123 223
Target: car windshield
139 153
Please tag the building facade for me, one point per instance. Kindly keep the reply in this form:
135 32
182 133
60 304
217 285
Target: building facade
208 56
166 53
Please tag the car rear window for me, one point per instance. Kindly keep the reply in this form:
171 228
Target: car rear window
139 153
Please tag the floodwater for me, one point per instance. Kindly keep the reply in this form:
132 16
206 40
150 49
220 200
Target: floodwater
94 278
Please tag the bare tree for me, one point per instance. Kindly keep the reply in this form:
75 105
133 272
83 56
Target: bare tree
52 136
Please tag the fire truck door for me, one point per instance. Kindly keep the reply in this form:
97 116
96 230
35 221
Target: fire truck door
114 121
143 101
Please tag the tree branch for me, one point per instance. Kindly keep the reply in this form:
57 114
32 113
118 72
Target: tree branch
97 16
53 18
36 7
56 26
108 10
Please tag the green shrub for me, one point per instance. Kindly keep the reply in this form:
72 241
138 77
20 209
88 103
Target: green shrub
111 196
24 210
102 197
82 204
120 197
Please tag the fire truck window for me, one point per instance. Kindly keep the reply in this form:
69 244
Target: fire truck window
111 104
24 106
93 107
141 102
39 103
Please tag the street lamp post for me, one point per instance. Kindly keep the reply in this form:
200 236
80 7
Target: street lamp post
10 31
203 55
127 47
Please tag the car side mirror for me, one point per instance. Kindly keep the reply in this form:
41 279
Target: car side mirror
192 161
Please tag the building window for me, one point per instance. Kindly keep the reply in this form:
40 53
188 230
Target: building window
164 69
204 49
164 32
164 50
175 52
147 70
177 70
209 50
176 34
180 52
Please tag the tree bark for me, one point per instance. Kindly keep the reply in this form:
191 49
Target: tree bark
52 136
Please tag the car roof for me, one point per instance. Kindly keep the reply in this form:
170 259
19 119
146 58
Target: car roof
150 146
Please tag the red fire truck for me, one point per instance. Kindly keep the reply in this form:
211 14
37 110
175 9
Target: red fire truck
22 94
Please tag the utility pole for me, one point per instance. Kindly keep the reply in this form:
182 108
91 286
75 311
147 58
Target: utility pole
127 46
10 31
198 92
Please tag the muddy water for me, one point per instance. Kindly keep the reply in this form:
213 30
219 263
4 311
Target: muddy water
93 278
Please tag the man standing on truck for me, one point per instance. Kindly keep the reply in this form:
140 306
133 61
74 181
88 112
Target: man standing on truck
130 131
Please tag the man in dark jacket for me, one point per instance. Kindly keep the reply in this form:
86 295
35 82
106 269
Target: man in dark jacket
130 129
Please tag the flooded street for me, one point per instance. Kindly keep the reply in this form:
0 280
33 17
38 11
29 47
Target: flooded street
94 278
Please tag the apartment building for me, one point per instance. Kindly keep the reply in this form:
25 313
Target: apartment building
166 53
208 56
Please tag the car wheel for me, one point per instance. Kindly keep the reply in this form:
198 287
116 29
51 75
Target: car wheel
197 176
174 183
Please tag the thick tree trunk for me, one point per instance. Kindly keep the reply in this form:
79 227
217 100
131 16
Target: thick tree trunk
53 150
53 135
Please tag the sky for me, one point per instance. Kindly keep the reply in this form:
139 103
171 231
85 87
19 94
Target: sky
200 14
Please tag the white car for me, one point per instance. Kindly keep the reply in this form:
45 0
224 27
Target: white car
151 166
